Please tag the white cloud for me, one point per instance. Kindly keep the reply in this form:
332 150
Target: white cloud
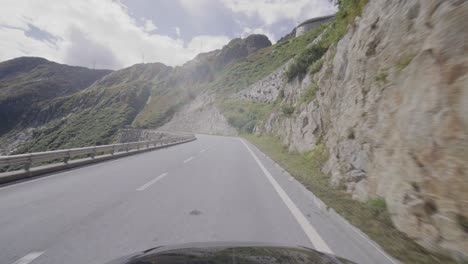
272 11
149 26
88 31
197 8
177 30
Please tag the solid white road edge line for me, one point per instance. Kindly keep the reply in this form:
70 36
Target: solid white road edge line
153 181
317 241
189 159
28 258
376 246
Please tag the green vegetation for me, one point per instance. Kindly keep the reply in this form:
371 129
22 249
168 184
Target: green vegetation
463 223
244 115
91 127
404 62
317 66
381 77
26 82
372 218
94 115
240 75
377 204
301 63
287 109
309 94
349 9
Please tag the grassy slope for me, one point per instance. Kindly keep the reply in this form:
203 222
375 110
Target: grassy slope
197 76
371 218
306 59
240 75
93 116
244 115
26 82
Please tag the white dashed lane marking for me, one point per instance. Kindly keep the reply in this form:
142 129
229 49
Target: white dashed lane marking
188 160
153 181
29 258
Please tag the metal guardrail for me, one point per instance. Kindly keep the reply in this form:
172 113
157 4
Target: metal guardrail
25 162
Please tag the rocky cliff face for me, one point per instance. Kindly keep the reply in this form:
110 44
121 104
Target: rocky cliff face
391 107
186 82
201 115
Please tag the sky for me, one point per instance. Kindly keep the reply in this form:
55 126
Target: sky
112 34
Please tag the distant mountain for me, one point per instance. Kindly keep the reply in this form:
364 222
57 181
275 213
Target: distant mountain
93 115
26 82
45 105
195 76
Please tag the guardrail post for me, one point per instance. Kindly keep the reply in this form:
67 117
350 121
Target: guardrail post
113 150
126 147
67 157
93 154
28 164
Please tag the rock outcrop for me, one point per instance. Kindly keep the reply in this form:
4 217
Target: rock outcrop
200 116
392 110
240 48
267 89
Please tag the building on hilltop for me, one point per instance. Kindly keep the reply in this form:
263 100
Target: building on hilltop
312 23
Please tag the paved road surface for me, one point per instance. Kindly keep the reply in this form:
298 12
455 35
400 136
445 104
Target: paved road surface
211 189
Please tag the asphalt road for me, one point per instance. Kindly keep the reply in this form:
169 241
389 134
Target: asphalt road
211 189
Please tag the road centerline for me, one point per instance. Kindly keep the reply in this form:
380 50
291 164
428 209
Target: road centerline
29 258
189 159
308 229
153 181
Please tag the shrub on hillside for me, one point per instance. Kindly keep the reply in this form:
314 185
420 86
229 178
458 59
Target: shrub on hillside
349 9
287 109
300 65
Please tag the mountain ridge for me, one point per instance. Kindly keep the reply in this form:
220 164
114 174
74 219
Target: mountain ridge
145 95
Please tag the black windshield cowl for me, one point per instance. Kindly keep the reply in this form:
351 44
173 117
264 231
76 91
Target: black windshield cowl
231 253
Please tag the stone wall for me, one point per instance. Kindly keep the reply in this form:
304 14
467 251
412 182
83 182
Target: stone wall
392 110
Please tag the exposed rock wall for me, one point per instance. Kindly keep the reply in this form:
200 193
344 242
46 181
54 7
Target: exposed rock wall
200 116
392 110
267 89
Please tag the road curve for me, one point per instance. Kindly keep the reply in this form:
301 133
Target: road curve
212 189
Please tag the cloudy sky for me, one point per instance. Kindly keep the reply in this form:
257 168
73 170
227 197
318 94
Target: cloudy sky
119 33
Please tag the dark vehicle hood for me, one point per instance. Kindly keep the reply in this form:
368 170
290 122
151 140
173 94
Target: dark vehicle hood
230 252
